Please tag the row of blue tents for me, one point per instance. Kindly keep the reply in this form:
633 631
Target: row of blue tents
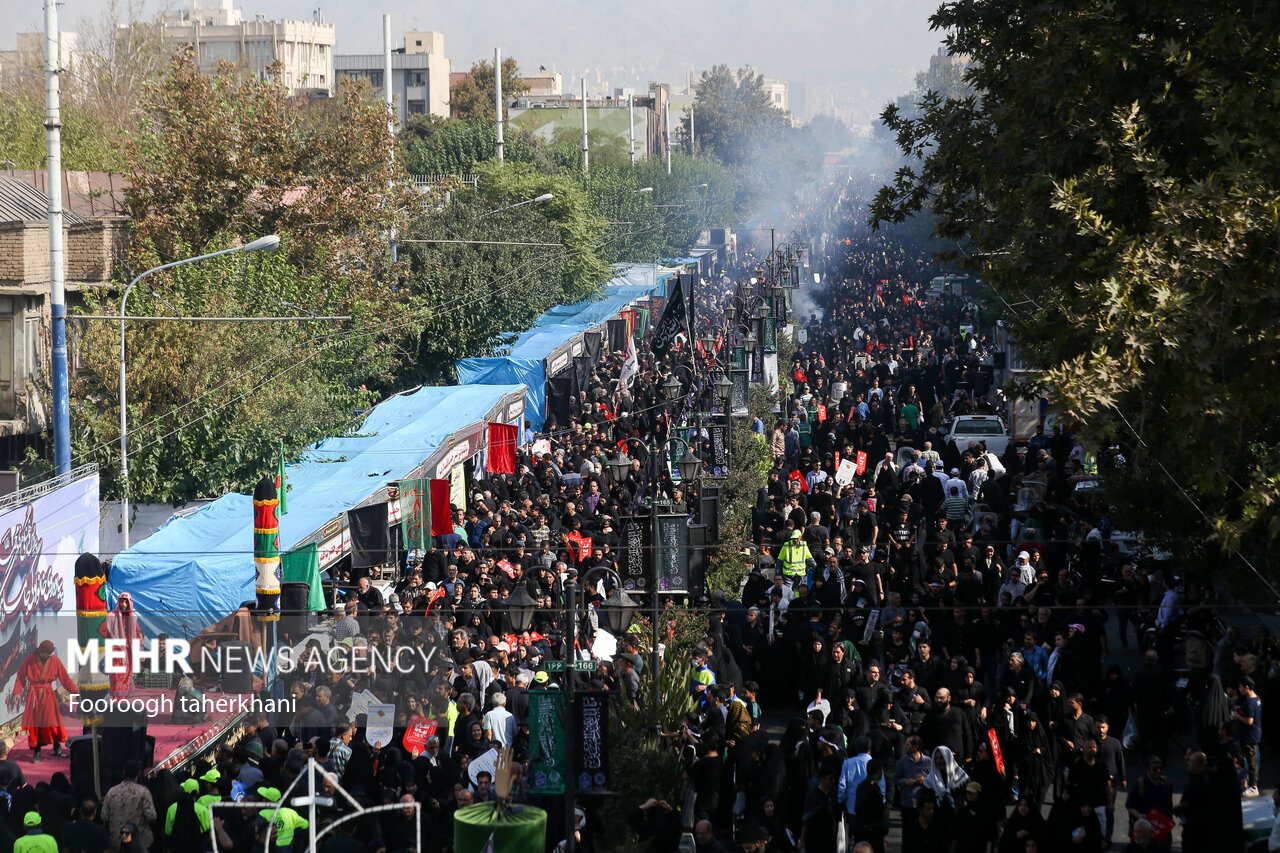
198 567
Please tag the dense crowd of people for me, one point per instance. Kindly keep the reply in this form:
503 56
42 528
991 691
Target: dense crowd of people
927 627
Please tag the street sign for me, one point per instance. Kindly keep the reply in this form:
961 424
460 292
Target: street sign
579 665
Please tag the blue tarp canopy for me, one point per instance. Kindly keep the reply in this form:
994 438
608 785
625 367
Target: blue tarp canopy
198 568
526 361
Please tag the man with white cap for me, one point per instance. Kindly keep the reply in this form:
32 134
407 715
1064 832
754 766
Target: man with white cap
1026 573
956 481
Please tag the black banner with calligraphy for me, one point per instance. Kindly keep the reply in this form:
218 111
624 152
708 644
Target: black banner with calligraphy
675 319
719 434
741 392
592 718
770 342
634 548
671 549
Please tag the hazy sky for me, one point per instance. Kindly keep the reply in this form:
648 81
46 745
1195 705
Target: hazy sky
869 49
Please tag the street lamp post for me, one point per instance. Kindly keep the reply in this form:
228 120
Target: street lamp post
542 199
268 244
690 466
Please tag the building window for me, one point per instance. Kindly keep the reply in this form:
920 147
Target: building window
6 349
417 107
777 97
227 51
418 43
34 351
419 79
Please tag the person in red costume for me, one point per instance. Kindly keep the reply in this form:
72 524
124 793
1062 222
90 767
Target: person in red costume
41 717
122 624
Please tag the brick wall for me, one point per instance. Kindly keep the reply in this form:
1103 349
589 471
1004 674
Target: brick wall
92 251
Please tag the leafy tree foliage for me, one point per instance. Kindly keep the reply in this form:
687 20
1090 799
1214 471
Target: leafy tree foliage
219 160
733 114
475 296
431 145
473 96
208 402
1115 181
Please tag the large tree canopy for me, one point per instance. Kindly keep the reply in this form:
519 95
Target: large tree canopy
1115 180
473 96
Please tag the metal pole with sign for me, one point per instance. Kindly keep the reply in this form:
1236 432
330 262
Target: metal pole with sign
570 674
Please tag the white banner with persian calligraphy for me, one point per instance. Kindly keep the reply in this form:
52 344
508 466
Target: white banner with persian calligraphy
39 544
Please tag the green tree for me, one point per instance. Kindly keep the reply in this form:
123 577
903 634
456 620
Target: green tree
431 145
473 96
733 115
218 160
474 297
1114 180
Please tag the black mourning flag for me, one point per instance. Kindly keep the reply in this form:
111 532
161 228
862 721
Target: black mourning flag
593 345
559 390
675 319
370 536
617 335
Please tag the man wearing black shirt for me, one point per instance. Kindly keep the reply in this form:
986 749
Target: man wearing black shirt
1111 756
86 835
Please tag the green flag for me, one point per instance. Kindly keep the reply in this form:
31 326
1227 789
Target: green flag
303 564
546 742
415 513
282 490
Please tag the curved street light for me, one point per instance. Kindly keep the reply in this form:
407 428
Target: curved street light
542 199
269 243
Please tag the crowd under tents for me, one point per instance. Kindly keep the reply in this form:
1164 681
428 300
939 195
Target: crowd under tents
562 334
198 568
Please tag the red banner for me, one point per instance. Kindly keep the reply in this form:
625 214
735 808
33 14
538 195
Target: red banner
996 753
862 463
501 456
441 512
415 739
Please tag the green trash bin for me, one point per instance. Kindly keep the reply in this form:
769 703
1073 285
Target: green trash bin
523 828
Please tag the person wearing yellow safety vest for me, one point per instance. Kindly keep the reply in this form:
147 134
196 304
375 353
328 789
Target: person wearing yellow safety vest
796 561
35 841
285 822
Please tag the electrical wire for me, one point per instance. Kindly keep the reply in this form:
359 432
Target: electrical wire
474 299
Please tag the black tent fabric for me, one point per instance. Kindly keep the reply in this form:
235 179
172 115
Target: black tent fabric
559 389
593 345
370 536
582 373
617 335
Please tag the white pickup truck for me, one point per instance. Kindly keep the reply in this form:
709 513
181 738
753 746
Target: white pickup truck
987 428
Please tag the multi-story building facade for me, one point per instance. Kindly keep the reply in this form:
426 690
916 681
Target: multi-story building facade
220 34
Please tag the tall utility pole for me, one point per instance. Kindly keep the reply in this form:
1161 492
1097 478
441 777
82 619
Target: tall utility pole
570 674
666 126
57 283
497 95
631 128
693 145
386 71
586 164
